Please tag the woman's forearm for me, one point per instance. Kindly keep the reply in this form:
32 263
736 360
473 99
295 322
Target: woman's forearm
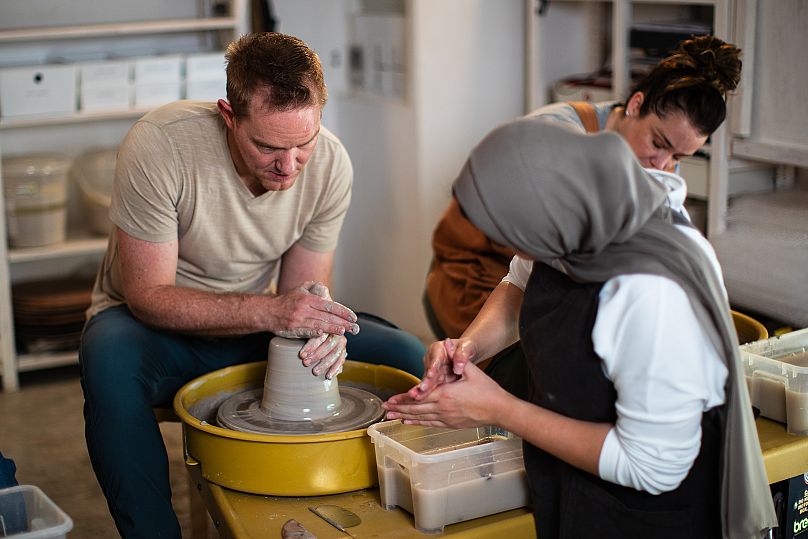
496 326
578 443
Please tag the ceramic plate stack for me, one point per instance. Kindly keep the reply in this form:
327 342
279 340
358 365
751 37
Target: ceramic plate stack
49 315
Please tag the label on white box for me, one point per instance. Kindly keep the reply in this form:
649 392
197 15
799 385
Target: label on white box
205 66
158 69
153 95
48 89
206 90
106 96
107 72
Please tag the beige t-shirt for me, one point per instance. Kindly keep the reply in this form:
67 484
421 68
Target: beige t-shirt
175 179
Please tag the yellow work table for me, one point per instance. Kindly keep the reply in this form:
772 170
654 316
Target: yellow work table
785 455
240 515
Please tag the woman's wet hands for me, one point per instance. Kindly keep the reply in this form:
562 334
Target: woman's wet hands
444 362
472 400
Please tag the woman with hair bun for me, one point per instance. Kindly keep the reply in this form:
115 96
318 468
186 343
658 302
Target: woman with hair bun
637 422
673 110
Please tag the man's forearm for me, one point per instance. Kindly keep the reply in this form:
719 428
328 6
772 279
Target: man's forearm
188 310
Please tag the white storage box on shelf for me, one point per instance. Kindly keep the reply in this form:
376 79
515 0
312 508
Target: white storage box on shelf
443 476
777 376
36 198
94 172
158 80
27 513
744 176
38 90
106 85
205 77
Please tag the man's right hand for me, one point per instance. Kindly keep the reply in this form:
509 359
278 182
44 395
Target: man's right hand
444 363
302 314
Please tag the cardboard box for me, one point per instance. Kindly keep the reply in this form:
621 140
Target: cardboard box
790 499
443 476
38 90
776 372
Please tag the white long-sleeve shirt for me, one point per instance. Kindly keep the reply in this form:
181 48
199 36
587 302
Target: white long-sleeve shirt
663 366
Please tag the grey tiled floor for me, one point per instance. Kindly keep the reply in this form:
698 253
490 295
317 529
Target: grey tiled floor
42 430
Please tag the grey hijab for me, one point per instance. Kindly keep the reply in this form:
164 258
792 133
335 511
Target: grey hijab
556 194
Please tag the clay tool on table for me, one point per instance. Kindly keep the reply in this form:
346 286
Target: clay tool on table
337 516
295 530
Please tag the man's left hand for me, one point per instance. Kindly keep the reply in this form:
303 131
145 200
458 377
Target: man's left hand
326 353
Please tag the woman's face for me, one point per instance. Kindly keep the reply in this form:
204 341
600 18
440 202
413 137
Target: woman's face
658 142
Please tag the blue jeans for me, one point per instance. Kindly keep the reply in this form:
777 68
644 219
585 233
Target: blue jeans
8 472
127 368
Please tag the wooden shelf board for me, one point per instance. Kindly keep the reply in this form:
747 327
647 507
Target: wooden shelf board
771 151
77 117
33 362
72 247
85 31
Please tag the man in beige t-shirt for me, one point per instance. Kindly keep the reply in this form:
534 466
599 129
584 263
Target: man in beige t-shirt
213 204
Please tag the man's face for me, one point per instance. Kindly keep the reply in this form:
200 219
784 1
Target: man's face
271 147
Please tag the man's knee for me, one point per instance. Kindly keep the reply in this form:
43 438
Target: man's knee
111 358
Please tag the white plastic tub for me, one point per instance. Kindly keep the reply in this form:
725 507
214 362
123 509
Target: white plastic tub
26 513
94 172
36 199
443 476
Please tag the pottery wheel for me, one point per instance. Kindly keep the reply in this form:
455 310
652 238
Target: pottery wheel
242 412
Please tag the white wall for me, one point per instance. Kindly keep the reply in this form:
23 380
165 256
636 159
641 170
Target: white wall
322 24
464 77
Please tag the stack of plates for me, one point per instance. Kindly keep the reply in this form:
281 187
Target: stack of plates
49 315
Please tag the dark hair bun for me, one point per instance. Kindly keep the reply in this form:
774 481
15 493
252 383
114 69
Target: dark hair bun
709 60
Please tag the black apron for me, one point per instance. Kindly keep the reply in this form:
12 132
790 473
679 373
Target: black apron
566 376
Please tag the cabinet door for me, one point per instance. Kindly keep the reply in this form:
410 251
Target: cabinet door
778 115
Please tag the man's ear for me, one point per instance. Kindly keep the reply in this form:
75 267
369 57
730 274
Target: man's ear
227 112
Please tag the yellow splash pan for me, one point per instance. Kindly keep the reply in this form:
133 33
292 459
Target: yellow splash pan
748 329
280 465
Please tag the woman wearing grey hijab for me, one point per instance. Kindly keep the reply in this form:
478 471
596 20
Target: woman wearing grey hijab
638 422
669 115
